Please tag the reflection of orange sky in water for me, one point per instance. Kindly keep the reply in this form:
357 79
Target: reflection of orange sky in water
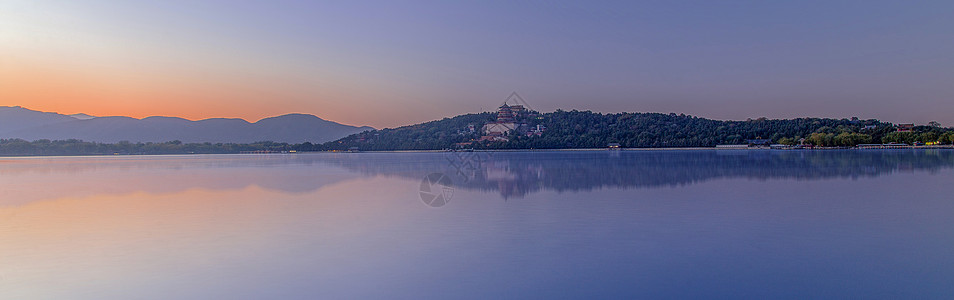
27 180
114 242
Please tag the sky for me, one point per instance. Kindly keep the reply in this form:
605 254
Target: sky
392 63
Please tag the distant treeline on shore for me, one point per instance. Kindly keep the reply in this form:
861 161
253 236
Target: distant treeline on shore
561 130
18 147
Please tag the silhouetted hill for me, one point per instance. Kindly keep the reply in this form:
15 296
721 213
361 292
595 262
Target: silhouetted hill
16 118
586 129
292 128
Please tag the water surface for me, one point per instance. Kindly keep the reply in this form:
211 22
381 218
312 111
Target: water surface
509 225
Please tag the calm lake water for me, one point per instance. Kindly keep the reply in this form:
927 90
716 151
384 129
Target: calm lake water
506 225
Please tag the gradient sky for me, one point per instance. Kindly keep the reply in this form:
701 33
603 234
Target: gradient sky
393 63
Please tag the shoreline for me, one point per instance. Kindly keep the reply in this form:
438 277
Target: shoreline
933 147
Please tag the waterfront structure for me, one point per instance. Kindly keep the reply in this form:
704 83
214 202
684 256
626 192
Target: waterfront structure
759 142
883 146
740 146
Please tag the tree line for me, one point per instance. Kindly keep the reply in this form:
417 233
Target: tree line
563 130
19 147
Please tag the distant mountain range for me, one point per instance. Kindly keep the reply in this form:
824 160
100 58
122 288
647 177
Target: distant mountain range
22 123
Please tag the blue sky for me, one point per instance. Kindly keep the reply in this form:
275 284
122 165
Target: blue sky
400 62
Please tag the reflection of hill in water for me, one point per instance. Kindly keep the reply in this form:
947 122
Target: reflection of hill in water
512 174
515 174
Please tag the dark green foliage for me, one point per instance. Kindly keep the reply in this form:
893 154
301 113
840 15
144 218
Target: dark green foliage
440 134
585 129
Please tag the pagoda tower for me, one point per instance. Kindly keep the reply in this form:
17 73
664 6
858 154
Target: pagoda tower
505 114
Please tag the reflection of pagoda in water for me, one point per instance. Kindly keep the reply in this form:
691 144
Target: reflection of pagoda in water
511 179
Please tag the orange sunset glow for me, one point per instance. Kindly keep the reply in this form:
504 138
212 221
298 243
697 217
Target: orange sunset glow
193 95
69 59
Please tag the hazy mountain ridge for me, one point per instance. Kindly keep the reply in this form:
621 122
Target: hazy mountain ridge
13 118
18 122
82 116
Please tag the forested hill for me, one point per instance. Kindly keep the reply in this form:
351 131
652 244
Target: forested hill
586 129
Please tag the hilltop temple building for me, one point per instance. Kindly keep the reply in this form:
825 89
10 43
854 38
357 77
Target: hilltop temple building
506 121
510 118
